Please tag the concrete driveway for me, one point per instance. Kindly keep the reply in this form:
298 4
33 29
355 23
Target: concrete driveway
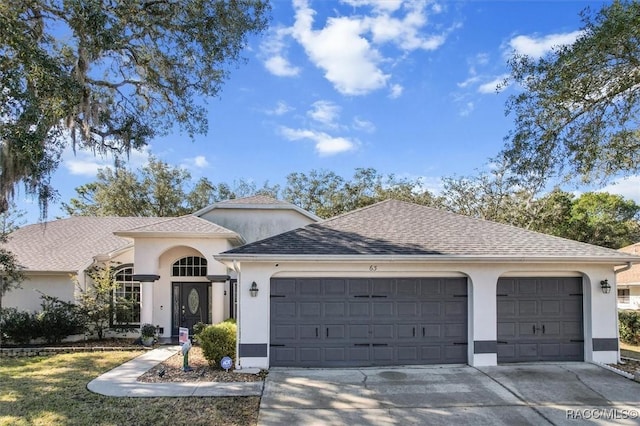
537 394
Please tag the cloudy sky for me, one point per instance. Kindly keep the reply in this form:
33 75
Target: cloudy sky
405 87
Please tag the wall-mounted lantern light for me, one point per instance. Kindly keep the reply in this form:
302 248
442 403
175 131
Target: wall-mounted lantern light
253 289
605 286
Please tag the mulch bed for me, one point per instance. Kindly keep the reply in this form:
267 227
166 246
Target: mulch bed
631 366
171 371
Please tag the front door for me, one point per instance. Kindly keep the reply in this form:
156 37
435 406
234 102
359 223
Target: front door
190 305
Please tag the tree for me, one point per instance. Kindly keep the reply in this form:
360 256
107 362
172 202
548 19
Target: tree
326 194
10 270
604 219
95 301
108 76
578 113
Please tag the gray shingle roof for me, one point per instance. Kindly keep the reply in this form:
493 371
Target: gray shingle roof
69 244
399 228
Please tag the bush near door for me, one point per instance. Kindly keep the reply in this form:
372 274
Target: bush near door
218 341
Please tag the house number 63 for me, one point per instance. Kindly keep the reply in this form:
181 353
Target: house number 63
373 268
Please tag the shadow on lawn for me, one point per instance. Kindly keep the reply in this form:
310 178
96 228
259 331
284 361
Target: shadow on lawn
52 390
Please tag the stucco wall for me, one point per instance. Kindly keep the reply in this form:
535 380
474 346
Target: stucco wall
155 256
254 319
28 299
254 225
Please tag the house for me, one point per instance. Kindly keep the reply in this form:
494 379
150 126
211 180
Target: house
394 283
628 280
164 265
398 284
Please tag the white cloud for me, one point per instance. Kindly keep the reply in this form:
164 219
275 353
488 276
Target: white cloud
200 161
536 47
490 87
277 65
86 163
467 109
396 91
363 125
325 144
347 48
324 112
628 187
281 108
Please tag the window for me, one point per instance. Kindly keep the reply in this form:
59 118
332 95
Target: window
190 266
126 298
624 295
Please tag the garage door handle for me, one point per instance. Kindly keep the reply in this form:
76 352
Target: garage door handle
542 328
380 344
361 344
362 296
414 332
378 296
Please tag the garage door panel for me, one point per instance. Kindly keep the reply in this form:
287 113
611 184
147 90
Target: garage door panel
310 309
359 287
359 309
382 331
345 322
310 288
335 331
507 308
284 332
382 309
284 309
335 309
335 287
551 307
548 319
455 308
407 309
527 307
359 331
430 309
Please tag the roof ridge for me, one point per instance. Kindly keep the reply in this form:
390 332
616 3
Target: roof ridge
359 209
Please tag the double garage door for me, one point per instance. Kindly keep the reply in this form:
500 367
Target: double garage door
344 322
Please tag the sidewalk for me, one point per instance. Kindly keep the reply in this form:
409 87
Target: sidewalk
122 381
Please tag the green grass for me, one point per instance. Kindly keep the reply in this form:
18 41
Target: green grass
630 351
52 391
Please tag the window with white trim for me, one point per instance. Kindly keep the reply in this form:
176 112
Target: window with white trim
126 298
190 266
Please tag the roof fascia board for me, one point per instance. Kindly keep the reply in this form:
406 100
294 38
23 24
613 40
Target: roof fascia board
616 260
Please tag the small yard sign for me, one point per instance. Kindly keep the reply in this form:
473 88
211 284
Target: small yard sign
183 335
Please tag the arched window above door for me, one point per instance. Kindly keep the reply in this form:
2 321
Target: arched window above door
190 266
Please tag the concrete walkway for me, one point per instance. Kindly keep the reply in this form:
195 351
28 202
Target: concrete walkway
122 381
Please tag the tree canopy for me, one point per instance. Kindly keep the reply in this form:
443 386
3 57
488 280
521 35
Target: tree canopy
578 113
108 76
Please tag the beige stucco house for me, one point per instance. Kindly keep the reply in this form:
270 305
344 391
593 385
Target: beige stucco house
628 280
390 284
164 264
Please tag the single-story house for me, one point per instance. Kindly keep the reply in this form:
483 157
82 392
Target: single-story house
390 284
628 281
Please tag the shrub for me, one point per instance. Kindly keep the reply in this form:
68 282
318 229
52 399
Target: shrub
218 341
629 326
59 319
18 326
198 328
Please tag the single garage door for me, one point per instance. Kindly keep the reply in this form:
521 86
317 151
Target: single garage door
343 322
540 319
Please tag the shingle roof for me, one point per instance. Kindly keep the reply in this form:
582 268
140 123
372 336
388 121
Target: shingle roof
184 224
69 244
630 276
399 228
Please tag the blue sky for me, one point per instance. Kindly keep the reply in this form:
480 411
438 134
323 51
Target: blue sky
404 87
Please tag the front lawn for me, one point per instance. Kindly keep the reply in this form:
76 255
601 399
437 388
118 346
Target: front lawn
52 391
